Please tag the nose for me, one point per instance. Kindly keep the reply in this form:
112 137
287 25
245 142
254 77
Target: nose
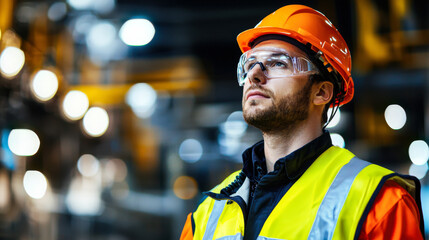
256 74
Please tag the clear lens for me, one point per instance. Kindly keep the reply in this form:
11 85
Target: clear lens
274 63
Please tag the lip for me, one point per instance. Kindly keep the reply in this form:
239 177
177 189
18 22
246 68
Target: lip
256 94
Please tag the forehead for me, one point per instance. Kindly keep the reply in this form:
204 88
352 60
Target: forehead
287 47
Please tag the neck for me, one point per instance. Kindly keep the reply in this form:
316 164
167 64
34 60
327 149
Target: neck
278 144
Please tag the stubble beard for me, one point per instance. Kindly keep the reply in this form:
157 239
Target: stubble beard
284 114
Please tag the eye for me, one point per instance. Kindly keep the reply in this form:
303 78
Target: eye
279 64
248 65
278 61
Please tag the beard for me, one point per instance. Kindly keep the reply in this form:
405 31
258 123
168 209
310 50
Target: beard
284 113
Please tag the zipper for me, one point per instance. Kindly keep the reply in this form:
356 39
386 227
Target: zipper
255 182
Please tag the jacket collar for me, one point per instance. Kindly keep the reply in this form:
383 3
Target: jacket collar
291 166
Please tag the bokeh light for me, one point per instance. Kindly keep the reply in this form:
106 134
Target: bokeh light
80 4
23 142
103 43
81 25
25 13
103 6
337 117
44 85
419 152
12 60
57 11
101 35
137 32
35 184
419 171
75 104
116 170
96 121
141 97
337 140
99 6
190 150
88 165
234 126
83 197
185 187
229 146
395 116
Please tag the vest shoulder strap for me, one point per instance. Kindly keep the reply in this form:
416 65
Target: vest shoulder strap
225 182
210 215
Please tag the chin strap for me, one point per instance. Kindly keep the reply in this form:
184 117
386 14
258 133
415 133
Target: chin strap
335 108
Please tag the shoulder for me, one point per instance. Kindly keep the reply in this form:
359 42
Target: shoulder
206 204
214 193
390 196
393 208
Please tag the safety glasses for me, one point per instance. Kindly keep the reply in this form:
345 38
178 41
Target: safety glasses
274 62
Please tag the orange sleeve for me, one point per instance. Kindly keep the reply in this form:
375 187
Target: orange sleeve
187 232
394 215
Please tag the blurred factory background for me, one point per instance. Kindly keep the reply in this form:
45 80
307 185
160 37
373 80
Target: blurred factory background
116 115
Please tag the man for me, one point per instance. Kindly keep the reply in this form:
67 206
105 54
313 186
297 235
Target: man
294 184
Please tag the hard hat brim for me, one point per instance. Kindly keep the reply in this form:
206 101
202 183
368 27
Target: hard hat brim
245 38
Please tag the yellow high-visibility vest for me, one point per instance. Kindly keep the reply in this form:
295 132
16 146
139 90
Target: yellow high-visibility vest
326 202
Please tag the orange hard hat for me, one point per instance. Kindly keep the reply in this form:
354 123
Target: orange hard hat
307 26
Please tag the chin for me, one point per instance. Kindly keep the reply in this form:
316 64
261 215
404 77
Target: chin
253 111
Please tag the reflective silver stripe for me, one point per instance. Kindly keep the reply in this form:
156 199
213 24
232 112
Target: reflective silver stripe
235 237
330 208
213 219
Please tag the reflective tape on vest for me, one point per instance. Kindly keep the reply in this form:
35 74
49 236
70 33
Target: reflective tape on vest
213 219
330 208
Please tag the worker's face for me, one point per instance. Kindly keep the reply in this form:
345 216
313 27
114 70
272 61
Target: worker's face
272 104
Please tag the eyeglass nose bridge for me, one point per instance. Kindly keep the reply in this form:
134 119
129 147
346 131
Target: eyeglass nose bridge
261 65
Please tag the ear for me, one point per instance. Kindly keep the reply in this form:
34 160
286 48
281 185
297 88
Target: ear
323 93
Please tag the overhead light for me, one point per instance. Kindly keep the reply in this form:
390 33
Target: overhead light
23 142
419 152
75 105
395 116
96 121
12 60
137 32
35 184
44 85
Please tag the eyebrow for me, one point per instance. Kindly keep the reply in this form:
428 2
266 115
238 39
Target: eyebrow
274 54
279 54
